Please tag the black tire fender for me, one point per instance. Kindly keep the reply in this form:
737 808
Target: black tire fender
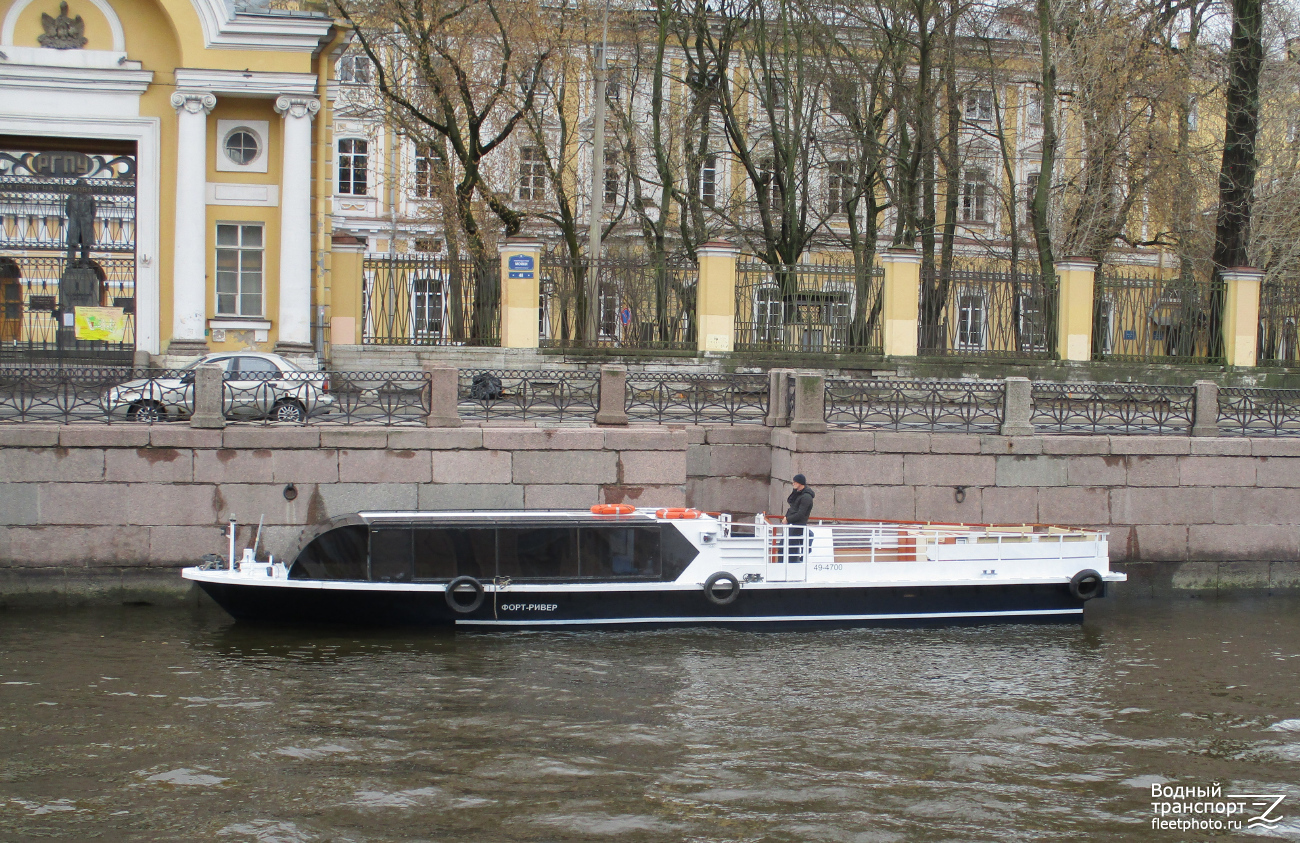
1086 584
729 597
455 586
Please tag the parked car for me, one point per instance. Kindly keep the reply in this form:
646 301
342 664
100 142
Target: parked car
256 385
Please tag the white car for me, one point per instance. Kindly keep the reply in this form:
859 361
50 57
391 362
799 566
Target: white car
256 385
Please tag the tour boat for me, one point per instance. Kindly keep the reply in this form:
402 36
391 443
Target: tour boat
617 566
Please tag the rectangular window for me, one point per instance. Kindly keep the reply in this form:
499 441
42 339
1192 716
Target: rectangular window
390 555
443 553
427 307
1031 187
768 314
839 186
611 178
1032 322
354 69
532 174
843 97
709 180
974 195
608 310
354 161
613 86
423 172
776 91
979 106
1035 108
239 269
614 553
970 321
537 552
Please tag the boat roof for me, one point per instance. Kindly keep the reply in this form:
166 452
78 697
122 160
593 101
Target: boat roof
530 515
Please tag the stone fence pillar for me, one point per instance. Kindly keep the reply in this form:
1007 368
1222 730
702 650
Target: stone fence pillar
1018 408
1205 412
521 260
778 397
347 280
613 396
1075 279
809 404
209 384
1241 315
901 301
715 299
444 398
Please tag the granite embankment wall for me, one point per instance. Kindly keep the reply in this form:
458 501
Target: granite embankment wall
87 501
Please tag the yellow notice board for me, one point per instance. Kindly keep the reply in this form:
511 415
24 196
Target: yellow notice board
107 324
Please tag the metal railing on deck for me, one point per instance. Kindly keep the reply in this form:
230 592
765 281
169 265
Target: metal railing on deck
696 398
1112 408
957 406
528 394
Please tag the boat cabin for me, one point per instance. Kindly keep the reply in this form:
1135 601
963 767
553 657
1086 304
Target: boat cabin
537 546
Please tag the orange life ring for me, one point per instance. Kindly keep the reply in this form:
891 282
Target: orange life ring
613 509
678 512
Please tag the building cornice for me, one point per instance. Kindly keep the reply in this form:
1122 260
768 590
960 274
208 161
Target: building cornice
285 33
246 83
100 80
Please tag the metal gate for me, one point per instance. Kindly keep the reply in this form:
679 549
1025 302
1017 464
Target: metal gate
67 257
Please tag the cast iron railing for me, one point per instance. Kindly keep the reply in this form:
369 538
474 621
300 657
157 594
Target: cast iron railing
696 398
328 398
977 314
1112 408
809 308
554 395
427 300
954 406
1255 412
640 303
1279 314
66 395
1159 320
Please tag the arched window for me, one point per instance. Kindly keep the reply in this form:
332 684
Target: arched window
354 161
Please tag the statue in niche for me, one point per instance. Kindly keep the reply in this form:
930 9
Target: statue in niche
63 32
80 209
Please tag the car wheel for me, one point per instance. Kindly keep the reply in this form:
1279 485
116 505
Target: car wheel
146 411
288 410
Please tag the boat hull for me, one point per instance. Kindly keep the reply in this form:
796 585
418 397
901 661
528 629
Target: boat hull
796 606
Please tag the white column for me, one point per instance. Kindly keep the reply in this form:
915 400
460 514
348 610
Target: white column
295 223
190 249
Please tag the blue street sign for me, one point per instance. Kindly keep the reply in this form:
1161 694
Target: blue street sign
1130 334
521 262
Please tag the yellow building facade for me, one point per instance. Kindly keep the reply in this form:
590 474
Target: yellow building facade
196 129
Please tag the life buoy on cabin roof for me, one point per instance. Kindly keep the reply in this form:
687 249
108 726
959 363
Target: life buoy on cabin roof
678 512
613 509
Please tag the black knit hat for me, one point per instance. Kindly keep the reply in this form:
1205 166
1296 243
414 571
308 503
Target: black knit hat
801 480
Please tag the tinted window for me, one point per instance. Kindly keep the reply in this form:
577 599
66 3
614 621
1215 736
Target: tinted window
257 367
537 552
619 552
445 553
390 555
339 554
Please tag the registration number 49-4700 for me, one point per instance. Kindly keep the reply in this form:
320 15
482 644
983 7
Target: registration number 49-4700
828 566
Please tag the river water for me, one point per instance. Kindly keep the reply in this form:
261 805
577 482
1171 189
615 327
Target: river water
144 723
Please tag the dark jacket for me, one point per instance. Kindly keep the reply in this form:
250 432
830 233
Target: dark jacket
801 502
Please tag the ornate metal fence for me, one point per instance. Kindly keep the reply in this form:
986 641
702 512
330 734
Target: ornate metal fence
1279 314
1256 412
985 314
954 406
639 303
1113 408
427 300
66 395
1159 320
30 328
327 398
810 308
553 395
696 398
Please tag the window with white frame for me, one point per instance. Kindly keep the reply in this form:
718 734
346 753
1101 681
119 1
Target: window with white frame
611 177
532 174
423 186
239 269
843 97
1103 326
1031 187
709 180
1192 114
776 91
614 86
979 106
972 311
974 195
354 163
1031 319
775 196
355 68
607 310
839 188
1035 107
769 314
428 308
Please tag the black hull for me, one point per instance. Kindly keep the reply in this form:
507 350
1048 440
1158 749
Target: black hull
769 608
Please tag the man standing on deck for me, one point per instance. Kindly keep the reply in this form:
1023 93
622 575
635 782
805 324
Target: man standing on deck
800 504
